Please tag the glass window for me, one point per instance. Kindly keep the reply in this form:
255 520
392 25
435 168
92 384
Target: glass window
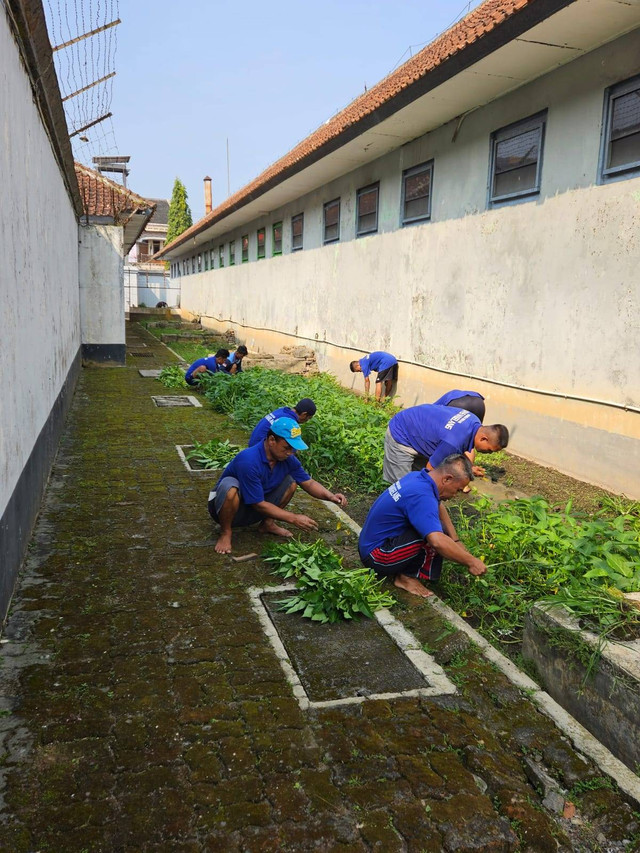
206 261
261 242
621 125
332 221
516 159
416 193
297 231
367 210
221 255
245 248
232 253
193 264
199 261
277 238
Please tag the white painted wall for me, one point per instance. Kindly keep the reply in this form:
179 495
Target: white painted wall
101 293
40 313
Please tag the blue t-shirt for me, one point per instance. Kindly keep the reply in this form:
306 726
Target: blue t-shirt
411 502
376 361
256 477
263 426
435 431
455 395
229 362
209 362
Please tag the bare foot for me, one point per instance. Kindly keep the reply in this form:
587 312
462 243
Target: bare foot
412 585
269 526
223 545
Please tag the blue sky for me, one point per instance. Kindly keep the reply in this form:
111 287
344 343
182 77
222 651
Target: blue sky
191 74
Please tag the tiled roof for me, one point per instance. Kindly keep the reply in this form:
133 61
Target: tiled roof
103 197
161 213
477 24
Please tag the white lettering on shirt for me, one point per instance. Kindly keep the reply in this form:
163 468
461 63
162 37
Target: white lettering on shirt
458 418
394 491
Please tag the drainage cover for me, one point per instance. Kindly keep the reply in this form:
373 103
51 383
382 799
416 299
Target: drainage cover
141 354
172 401
347 662
150 374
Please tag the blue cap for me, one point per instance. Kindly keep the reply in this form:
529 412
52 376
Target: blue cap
290 430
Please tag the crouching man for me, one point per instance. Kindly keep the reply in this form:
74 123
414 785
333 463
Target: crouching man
408 532
259 482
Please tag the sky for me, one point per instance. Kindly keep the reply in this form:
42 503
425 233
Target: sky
192 74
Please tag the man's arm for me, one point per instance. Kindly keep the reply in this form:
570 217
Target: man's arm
454 550
367 386
269 510
317 490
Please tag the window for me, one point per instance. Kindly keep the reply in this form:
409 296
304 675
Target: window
276 247
206 260
193 264
332 221
416 193
232 253
221 255
367 210
516 159
245 248
621 130
212 258
199 262
297 231
261 241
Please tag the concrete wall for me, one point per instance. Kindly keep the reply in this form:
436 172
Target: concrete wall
40 316
101 293
541 294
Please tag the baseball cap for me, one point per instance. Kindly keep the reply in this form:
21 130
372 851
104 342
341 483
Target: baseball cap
290 430
306 405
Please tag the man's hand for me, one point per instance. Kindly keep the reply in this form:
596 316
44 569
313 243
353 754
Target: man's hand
477 567
478 471
339 499
303 522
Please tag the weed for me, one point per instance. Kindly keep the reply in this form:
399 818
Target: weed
213 454
172 377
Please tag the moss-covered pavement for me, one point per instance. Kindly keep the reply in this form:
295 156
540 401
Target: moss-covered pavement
144 709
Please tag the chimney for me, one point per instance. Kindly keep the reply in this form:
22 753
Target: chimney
207 195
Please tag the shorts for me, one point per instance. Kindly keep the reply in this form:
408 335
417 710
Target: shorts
246 514
406 554
388 374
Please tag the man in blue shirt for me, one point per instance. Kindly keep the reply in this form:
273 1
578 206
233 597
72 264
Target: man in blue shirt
382 363
469 400
233 363
435 432
301 412
259 482
209 364
408 531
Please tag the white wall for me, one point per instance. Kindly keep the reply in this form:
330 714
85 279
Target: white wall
101 275
39 316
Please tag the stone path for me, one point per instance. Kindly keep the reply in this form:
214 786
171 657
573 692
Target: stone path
142 708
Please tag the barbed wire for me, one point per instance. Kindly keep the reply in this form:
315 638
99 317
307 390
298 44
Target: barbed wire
82 63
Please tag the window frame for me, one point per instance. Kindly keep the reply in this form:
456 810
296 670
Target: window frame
628 170
299 217
509 131
221 256
244 253
326 241
232 253
418 169
274 252
206 260
359 193
199 261
259 231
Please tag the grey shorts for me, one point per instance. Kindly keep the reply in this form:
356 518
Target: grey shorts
246 514
390 374
398 459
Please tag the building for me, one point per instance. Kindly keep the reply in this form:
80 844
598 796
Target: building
147 281
476 214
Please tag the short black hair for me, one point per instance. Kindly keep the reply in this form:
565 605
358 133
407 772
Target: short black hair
500 434
305 405
222 353
351 367
457 465
242 349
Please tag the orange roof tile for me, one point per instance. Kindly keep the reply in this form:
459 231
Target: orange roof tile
103 197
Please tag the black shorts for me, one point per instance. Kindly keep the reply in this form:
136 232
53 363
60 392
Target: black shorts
405 554
389 374
246 514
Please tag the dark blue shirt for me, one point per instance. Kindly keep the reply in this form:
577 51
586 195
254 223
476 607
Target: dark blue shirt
377 361
256 477
229 362
263 426
455 395
209 362
435 431
411 502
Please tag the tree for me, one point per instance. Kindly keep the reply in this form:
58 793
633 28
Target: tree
179 212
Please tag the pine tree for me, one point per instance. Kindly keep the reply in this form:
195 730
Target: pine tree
179 212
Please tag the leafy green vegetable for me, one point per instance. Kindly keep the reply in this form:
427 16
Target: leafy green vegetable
172 377
327 592
214 453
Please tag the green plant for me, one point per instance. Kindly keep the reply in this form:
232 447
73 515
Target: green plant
213 454
172 377
179 218
327 592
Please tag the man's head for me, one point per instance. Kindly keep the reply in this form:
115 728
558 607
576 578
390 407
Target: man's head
452 475
305 410
355 367
222 355
241 351
283 438
490 439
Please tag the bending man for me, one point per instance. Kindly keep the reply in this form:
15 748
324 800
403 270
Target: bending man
469 400
259 482
384 365
301 412
408 531
209 364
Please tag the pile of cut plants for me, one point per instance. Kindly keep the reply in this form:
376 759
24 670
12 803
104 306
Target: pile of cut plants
345 437
172 377
213 454
536 552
